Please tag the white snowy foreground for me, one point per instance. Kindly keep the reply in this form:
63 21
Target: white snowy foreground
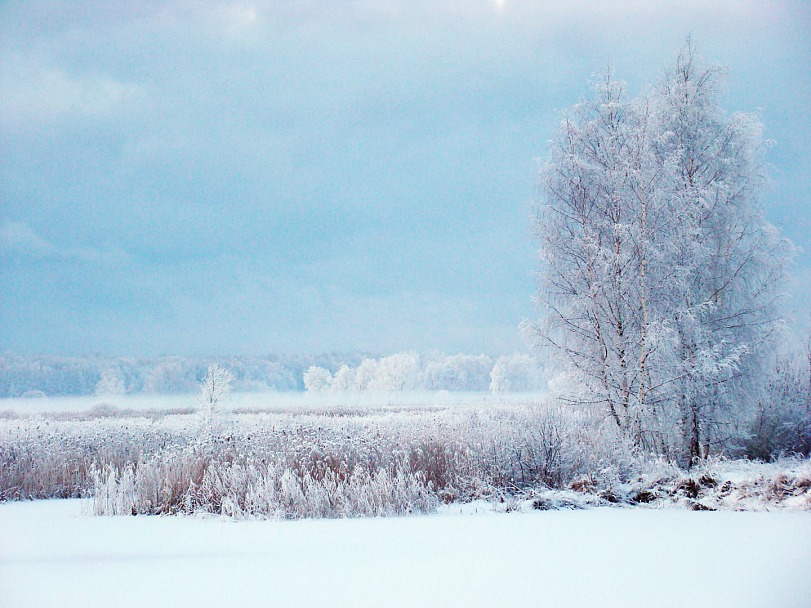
51 554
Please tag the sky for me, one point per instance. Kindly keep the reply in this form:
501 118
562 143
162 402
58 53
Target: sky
201 178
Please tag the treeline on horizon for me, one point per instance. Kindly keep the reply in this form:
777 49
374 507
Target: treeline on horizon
47 375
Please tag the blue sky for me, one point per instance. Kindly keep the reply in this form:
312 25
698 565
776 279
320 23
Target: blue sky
309 176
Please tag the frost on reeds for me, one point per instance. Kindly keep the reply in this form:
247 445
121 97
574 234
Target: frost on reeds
306 465
193 482
52 458
379 464
289 465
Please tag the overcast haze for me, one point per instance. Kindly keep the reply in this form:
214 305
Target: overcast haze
245 178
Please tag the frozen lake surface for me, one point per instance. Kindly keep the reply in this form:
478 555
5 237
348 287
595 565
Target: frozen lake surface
53 555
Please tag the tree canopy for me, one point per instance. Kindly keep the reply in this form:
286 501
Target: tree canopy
660 274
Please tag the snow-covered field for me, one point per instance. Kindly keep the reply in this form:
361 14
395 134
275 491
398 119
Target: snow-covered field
54 555
269 400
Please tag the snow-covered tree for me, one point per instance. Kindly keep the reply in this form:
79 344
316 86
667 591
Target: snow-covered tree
345 379
396 372
111 383
215 389
170 375
365 374
517 373
595 244
660 273
317 379
782 424
457 373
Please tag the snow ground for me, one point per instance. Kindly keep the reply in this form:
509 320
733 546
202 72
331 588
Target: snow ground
51 554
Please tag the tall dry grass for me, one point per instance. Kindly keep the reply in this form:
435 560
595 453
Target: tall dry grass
288 465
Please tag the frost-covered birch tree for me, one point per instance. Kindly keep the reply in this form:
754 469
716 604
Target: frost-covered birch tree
660 274
595 238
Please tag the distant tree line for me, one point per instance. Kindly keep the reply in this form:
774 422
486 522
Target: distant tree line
31 376
411 372
22 375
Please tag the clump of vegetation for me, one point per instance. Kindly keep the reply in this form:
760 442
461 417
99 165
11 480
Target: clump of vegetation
295 465
178 463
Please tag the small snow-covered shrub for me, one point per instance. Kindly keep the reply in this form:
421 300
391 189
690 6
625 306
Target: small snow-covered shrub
778 430
782 422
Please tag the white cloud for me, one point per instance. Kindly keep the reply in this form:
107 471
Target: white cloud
17 238
40 93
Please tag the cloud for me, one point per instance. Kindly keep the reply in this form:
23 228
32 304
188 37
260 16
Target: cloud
322 173
18 239
32 92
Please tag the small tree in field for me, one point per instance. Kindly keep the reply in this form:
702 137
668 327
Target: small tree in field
215 389
660 274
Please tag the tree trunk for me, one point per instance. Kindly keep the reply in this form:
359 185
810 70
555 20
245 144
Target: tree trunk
695 435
